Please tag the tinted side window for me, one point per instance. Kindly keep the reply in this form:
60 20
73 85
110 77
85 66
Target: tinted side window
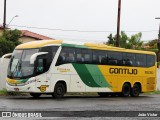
83 55
99 57
150 60
49 57
67 55
129 59
114 58
140 60
54 50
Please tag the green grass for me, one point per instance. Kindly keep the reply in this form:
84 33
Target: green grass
3 92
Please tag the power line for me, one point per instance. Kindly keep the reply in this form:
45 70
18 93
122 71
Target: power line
77 30
59 29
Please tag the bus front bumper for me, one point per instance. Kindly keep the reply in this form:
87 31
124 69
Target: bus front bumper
24 88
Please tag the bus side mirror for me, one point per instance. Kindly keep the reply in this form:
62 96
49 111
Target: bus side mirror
6 56
34 56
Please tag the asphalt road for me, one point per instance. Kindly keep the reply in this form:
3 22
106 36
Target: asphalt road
92 106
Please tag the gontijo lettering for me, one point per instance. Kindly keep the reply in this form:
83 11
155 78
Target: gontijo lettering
123 71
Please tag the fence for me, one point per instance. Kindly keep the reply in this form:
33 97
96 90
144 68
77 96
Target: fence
4 66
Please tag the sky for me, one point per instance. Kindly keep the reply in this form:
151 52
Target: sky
83 20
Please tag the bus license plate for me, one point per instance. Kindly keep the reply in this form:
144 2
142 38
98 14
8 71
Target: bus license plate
16 89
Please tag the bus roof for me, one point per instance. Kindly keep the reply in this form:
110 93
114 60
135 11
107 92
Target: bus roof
42 43
38 44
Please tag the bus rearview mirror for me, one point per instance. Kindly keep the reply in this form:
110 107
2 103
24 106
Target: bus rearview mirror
34 56
6 56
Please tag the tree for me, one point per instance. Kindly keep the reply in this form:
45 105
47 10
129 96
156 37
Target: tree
133 42
8 41
151 46
123 40
112 40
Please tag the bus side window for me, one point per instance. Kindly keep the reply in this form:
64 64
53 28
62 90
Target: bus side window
70 58
104 60
112 62
61 58
141 60
95 59
83 56
129 59
79 58
67 55
99 57
49 57
114 58
150 60
127 62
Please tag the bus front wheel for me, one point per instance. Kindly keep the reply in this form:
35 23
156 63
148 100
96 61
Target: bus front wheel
126 89
59 90
35 95
135 90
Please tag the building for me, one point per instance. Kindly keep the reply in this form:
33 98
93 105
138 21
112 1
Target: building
27 36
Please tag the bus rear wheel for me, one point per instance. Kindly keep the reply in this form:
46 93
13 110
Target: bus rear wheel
35 95
135 90
126 89
59 90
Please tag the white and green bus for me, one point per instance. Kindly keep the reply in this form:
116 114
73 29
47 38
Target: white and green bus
55 67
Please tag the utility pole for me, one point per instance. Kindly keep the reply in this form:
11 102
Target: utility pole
158 42
118 23
4 18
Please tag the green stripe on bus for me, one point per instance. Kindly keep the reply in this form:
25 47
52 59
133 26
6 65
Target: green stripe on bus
73 45
97 75
85 75
21 81
24 80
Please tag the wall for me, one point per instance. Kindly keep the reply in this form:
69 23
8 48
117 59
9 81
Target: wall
3 73
24 39
4 66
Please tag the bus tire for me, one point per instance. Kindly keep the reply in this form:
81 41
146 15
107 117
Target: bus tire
102 94
126 89
59 90
35 95
135 90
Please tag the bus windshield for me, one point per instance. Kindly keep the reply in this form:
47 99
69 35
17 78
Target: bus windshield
20 66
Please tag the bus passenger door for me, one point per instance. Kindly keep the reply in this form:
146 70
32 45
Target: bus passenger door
42 83
42 78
